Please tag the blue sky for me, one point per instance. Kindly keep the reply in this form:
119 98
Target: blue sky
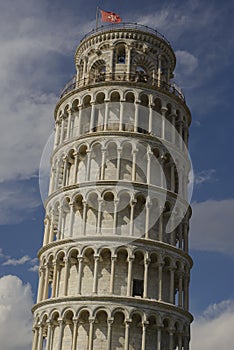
38 40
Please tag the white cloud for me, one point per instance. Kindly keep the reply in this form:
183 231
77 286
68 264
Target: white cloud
205 176
33 44
34 268
15 262
212 226
15 314
186 62
214 329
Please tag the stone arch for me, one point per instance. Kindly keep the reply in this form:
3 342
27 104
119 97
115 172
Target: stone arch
73 271
60 262
81 171
111 161
95 161
83 329
166 279
65 212
100 330
88 271
78 208
68 329
100 110
120 52
98 70
118 329
141 163
85 114
154 211
165 333
123 213
126 161
156 117
121 272
92 212
104 271
138 273
70 173
135 338
156 167
139 214
107 212
55 317
153 276
151 333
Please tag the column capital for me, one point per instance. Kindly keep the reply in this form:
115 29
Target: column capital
91 320
127 322
130 258
80 258
110 320
147 261
96 257
114 257
145 323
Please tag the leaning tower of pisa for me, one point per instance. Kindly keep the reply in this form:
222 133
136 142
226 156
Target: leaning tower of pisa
114 266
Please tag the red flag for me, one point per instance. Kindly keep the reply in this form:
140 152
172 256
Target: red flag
110 17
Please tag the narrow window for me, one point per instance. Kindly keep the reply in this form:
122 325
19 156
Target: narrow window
137 288
121 55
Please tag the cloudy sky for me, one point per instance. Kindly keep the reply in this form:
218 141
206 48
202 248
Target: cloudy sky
37 42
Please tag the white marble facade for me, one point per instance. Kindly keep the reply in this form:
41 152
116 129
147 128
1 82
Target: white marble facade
114 266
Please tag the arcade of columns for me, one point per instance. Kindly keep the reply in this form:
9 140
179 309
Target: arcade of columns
114 265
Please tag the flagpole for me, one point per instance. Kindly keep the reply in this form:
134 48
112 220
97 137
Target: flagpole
97 13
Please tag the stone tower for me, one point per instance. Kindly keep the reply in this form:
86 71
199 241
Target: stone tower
114 265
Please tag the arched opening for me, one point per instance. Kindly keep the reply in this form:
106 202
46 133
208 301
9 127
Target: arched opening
82 164
114 111
165 335
166 280
126 162
141 74
98 71
65 212
56 329
138 275
83 330
139 215
157 118
85 114
110 167
95 164
120 54
123 214
108 210
121 273
100 112
68 330
118 331
78 208
70 175
104 272
60 274
153 277
129 112
151 333
92 214
73 272
88 270
135 333
100 331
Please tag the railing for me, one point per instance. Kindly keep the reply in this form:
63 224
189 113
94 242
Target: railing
139 78
127 25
